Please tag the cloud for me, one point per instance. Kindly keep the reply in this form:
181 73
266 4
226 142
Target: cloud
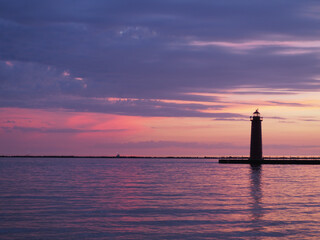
314 44
179 18
58 130
9 121
309 119
285 146
172 144
230 119
62 54
289 104
147 108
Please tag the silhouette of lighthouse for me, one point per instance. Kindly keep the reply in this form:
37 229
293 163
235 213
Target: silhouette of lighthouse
256 137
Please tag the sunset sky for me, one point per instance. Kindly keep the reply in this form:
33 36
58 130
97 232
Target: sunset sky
169 77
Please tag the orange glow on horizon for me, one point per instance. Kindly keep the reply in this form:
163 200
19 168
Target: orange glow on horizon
290 127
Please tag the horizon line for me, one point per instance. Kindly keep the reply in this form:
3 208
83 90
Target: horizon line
161 157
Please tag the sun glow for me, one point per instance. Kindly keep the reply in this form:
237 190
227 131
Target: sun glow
290 119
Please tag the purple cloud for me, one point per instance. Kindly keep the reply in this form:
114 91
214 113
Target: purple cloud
60 51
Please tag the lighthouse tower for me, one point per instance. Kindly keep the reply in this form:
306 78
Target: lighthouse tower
256 137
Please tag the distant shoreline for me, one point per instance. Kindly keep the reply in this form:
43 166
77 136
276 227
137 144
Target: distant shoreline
159 157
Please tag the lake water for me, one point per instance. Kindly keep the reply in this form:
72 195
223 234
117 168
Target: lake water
76 198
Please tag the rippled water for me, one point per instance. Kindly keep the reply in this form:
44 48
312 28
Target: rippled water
156 199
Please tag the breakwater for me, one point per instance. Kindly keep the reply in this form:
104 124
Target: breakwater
271 160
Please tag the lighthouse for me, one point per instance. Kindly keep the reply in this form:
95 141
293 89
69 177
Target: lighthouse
256 137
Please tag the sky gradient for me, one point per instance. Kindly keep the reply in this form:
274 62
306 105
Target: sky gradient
158 77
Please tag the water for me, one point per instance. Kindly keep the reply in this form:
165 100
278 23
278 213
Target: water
156 199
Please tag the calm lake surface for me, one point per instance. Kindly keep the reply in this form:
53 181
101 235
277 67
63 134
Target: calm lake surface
76 198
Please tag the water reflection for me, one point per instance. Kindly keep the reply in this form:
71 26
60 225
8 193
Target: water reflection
256 197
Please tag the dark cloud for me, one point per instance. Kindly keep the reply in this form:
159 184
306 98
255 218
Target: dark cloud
59 51
275 117
231 119
218 18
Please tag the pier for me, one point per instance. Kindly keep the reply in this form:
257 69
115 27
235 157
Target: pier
271 160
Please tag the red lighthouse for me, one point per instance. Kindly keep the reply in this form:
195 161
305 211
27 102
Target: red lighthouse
256 137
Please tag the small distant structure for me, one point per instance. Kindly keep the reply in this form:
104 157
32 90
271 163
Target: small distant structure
256 137
118 155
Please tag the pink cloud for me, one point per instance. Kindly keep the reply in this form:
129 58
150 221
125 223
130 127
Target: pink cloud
10 64
35 131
